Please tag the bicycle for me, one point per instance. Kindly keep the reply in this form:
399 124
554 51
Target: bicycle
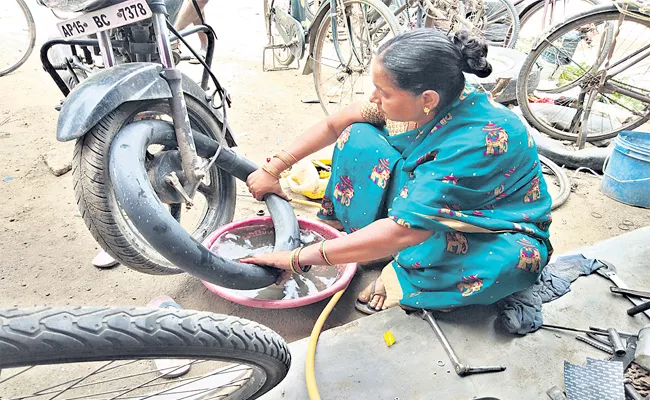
341 36
17 35
592 82
494 20
83 352
537 16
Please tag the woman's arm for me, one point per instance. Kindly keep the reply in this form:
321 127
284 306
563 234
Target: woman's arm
380 239
315 138
321 135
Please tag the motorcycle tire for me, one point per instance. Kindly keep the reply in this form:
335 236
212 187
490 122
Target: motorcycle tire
96 201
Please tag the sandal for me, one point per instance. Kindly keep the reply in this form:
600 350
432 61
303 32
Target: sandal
364 306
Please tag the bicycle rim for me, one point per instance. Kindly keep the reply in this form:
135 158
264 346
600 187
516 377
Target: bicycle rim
342 71
129 353
569 61
532 21
17 35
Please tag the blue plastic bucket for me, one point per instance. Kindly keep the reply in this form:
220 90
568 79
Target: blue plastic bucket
627 174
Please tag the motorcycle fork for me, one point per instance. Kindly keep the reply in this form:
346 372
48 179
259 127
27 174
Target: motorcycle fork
189 160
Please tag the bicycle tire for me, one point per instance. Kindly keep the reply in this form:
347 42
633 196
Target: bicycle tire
45 336
598 14
531 10
515 21
563 179
32 39
429 22
380 8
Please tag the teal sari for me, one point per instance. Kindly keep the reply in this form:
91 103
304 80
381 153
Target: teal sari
473 178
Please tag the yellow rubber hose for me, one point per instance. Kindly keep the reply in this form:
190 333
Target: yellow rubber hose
306 203
310 374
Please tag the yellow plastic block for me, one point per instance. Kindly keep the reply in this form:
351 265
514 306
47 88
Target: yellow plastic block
389 338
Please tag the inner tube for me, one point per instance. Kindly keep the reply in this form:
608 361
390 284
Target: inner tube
137 198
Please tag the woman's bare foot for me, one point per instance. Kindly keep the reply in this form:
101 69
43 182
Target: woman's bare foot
374 294
334 223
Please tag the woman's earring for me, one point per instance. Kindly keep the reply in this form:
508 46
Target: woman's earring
427 110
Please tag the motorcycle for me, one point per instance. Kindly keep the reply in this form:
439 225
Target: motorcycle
150 140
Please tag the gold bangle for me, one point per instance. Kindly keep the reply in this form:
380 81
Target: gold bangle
283 159
270 172
293 268
322 253
290 155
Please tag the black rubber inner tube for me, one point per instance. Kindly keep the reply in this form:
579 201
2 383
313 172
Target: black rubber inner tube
147 213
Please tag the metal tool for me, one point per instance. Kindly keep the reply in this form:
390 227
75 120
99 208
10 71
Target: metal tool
595 344
461 369
637 309
629 355
555 393
617 343
631 392
637 293
593 331
609 272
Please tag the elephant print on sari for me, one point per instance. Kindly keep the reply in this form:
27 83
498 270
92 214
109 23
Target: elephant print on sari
343 138
456 243
470 285
496 139
381 173
529 257
343 191
327 207
533 192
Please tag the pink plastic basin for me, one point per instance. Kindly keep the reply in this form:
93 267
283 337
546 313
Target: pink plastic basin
257 230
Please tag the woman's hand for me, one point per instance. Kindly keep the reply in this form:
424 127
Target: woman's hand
261 182
278 259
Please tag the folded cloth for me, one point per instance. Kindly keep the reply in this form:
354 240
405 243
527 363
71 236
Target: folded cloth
521 312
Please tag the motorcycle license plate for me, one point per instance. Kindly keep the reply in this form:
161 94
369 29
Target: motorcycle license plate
121 14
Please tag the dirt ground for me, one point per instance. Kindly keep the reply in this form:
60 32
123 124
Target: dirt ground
45 248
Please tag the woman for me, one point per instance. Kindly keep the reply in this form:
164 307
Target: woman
431 172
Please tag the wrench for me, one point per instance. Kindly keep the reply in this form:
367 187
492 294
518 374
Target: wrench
461 369
609 272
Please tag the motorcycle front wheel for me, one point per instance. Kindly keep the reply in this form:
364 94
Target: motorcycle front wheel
214 204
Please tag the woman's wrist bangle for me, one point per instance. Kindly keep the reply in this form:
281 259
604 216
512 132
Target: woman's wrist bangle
295 160
322 253
271 172
303 268
292 262
284 160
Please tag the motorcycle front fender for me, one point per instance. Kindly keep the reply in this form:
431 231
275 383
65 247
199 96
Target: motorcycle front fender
95 97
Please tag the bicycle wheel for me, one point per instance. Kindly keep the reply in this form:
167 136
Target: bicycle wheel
101 353
17 35
282 56
501 23
342 67
571 62
533 20
496 21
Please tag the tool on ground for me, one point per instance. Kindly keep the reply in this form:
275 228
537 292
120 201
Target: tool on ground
461 369
638 309
593 331
631 292
629 355
609 271
617 343
595 344
642 354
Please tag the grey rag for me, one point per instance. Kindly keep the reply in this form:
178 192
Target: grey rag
521 312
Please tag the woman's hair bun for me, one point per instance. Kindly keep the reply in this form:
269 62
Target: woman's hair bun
474 54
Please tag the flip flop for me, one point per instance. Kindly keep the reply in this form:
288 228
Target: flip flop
364 306
169 367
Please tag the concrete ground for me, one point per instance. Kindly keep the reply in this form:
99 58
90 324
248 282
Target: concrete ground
353 362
